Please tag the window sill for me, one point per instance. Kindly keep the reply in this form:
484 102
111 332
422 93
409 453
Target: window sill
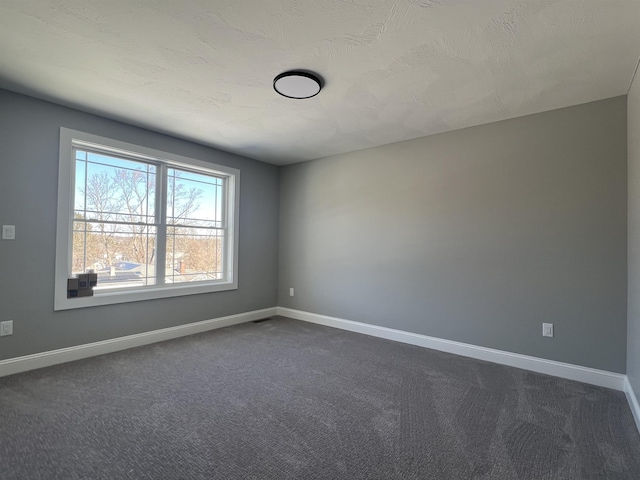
106 297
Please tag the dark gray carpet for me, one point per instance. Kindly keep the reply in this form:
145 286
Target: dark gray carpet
289 400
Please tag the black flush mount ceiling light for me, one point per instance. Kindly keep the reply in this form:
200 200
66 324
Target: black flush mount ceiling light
297 84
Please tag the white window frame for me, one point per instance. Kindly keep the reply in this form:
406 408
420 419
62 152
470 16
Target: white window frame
64 235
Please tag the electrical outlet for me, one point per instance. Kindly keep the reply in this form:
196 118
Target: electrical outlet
291 292
6 328
8 232
547 329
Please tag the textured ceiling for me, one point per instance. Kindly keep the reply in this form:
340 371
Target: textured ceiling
394 69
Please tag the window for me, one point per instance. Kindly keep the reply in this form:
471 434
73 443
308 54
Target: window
149 223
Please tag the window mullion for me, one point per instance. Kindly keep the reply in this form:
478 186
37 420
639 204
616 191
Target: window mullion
84 213
161 220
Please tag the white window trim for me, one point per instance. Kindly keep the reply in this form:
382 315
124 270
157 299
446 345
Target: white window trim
66 179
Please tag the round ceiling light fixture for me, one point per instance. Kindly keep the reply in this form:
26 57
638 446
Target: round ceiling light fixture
297 84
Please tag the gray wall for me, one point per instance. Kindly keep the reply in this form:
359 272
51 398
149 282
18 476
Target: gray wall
477 235
633 312
29 138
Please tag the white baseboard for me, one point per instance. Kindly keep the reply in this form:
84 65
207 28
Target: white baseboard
633 401
63 355
569 371
592 376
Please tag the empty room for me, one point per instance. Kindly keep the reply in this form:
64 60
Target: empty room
315 240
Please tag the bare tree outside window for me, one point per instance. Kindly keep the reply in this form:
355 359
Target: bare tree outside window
115 222
195 232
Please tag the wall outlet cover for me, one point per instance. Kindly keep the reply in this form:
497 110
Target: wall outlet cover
8 232
547 329
6 328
